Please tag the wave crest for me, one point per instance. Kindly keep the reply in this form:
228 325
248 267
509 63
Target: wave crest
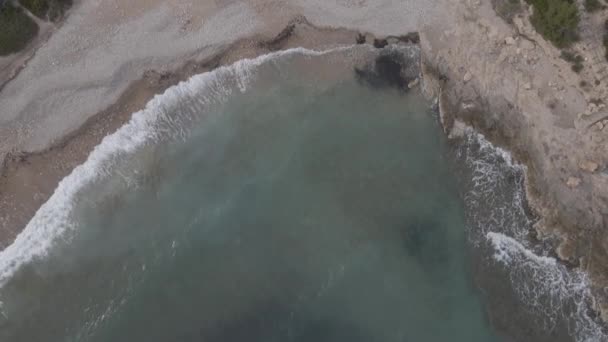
555 293
153 124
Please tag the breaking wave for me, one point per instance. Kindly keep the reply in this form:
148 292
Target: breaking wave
157 122
496 202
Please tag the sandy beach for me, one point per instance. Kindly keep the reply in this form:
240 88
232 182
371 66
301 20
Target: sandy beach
109 58
85 92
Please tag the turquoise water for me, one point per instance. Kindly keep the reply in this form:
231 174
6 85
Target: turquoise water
285 202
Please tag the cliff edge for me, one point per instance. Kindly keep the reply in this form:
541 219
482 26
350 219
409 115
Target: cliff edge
510 84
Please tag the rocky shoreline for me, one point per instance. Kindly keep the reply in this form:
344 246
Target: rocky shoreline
506 92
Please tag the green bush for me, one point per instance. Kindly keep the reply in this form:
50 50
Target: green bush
16 29
57 8
38 8
47 9
556 20
575 60
507 9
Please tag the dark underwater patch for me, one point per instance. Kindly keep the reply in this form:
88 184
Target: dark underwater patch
275 321
424 239
389 70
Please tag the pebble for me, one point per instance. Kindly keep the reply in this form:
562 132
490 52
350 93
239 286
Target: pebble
509 41
467 77
589 166
573 182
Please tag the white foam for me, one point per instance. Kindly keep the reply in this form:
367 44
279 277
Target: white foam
547 287
560 295
506 247
52 220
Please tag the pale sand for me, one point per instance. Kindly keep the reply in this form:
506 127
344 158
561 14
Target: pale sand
106 44
29 179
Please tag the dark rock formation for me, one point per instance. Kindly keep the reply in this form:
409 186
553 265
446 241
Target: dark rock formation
361 39
380 43
393 68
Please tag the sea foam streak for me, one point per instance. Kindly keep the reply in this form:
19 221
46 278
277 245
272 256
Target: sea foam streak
547 287
52 220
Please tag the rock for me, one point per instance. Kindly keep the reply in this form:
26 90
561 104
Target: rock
526 45
573 182
392 40
380 43
509 41
467 77
599 125
527 85
458 130
566 250
589 166
413 83
360 38
593 107
390 69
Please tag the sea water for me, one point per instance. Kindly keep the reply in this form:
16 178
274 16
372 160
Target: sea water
277 199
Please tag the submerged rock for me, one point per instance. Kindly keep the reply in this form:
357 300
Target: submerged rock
424 240
380 43
392 68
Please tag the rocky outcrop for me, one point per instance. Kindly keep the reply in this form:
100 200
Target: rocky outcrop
398 68
508 83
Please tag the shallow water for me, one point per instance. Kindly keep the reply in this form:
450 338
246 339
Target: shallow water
278 199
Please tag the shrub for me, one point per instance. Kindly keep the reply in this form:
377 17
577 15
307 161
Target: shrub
38 8
507 9
57 8
575 60
16 29
556 20
47 9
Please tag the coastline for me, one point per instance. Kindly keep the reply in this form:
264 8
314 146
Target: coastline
501 93
524 98
28 179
